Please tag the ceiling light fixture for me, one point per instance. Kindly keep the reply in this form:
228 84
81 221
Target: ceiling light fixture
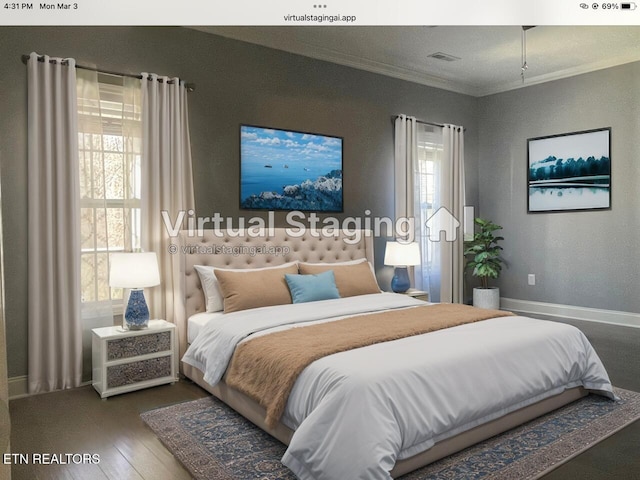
524 67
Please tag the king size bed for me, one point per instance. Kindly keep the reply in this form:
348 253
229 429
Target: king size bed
418 382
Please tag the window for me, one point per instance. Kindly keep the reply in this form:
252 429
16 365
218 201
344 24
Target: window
428 180
109 147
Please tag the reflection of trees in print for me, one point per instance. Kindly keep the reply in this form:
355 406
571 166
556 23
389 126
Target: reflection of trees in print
592 171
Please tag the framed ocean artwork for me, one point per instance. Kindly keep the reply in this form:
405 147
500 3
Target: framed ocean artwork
290 170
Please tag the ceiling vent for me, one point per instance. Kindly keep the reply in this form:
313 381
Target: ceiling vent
443 56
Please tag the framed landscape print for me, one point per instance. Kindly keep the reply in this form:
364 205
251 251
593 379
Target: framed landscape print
290 170
570 171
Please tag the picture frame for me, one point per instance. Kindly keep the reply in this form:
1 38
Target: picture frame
569 172
290 170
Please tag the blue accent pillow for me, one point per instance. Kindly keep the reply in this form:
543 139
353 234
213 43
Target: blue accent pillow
311 288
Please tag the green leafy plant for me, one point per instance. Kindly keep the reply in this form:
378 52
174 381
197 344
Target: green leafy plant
484 252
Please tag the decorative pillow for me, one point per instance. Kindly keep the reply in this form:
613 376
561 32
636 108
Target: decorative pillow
348 262
354 279
210 287
311 288
245 289
212 294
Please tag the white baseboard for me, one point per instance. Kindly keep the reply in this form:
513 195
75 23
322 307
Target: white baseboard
18 387
613 317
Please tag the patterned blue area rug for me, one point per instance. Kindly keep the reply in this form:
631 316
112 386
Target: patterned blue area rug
215 443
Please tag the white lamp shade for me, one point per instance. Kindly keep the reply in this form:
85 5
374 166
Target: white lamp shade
403 254
134 270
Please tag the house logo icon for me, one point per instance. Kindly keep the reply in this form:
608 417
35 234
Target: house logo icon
443 221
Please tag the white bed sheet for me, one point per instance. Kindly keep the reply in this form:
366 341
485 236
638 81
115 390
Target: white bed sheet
196 322
401 397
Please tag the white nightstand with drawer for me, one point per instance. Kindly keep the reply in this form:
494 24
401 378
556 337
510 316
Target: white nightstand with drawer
418 294
127 360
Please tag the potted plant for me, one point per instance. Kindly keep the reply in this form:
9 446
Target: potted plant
485 262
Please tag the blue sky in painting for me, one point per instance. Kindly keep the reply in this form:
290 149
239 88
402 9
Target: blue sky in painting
270 146
578 145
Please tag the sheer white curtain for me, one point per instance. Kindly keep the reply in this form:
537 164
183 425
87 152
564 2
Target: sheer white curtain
407 192
167 186
55 331
430 175
109 145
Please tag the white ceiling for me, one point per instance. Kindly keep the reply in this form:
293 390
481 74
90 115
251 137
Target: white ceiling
490 57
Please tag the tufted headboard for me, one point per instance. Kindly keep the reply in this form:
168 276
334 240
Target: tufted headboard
258 249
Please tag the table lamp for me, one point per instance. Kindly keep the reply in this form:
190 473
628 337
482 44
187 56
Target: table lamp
401 255
135 271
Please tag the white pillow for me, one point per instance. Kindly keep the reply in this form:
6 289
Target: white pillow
212 294
210 287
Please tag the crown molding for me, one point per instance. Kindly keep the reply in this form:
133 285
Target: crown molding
561 74
329 55
408 74
388 70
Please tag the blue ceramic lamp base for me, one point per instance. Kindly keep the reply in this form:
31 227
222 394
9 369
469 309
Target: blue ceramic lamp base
136 316
400 282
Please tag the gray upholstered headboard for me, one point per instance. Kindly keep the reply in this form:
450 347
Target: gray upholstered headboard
253 250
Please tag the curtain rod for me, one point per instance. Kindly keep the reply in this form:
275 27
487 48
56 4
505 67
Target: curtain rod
393 119
189 86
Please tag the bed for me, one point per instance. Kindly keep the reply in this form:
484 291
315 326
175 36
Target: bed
414 400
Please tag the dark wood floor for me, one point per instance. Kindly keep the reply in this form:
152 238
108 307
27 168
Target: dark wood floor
77 421
618 457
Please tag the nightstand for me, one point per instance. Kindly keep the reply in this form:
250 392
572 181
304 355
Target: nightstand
419 294
127 360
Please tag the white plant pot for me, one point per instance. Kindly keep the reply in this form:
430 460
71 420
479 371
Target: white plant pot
486 298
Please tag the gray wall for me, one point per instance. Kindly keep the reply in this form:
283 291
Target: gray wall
236 83
587 259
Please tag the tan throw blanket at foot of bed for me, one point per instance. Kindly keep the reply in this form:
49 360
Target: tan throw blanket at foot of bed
266 367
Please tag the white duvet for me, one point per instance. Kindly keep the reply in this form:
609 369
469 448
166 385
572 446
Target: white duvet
356 413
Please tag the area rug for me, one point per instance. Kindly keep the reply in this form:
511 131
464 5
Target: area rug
215 443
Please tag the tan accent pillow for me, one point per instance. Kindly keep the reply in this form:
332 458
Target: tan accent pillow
211 289
260 288
351 280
